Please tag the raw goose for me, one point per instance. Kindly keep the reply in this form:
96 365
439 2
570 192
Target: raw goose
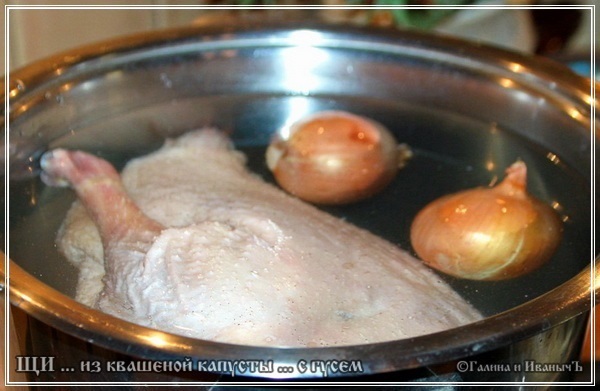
192 243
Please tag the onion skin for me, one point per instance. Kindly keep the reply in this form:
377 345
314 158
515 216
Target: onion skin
487 233
334 157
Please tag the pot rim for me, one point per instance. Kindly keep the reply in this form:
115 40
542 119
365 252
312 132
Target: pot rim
549 74
46 304
568 300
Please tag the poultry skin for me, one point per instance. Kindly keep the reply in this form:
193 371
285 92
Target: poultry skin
188 241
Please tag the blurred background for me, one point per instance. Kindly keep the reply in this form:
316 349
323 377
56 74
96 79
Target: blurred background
562 33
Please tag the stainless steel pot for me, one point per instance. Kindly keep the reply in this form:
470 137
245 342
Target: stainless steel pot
467 110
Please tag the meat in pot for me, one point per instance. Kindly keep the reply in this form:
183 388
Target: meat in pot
186 240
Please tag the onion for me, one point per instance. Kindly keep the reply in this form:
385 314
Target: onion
487 233
335 157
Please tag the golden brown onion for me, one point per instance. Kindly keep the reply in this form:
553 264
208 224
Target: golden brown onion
487 233
335 157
